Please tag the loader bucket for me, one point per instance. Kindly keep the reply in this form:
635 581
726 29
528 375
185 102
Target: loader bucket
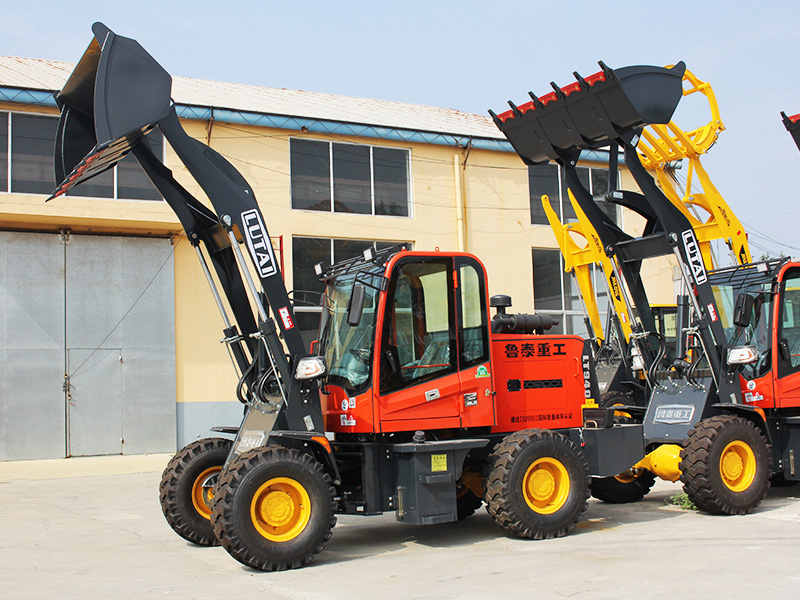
792 125
116 94
591 112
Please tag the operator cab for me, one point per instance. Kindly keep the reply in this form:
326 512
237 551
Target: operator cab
409 346
405 337
750 300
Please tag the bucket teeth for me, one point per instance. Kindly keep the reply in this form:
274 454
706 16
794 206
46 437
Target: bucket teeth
560 95
581 81
514 109
536 102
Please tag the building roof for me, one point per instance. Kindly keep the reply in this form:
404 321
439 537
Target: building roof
50 75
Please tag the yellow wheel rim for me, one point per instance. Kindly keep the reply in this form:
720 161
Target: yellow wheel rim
280 509
546 486
737 466
203 491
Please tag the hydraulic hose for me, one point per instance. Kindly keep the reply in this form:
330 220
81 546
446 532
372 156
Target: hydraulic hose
662 351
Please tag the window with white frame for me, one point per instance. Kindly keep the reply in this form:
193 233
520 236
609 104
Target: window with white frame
349 178
27 147
549 179
307 252
556 293
3 152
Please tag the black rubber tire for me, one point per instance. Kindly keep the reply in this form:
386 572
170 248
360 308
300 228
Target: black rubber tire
505 495
619 399
636 485
235 527
700 465
614 398
466 503
177 487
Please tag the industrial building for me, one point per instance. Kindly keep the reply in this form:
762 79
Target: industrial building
109 341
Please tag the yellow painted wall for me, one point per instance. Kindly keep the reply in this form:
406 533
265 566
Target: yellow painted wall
496 218
204 372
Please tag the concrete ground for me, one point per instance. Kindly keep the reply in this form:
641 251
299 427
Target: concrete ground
92 528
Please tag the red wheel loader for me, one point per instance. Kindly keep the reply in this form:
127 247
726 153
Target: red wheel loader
724 416
416 399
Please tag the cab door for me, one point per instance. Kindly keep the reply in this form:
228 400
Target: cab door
474 365
787 386
418 381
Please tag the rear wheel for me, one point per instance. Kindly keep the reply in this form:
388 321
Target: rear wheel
633 484
630 486
468 493
538 484
618 399
275 508
725 466
188 485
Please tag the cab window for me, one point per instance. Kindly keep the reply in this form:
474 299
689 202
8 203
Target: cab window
418 331
789 335
474 329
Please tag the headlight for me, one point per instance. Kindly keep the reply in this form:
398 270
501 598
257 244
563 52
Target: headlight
743 355
310 367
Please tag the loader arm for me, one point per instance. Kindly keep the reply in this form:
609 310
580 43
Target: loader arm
663 145
611 108
579 256
114 98
659 148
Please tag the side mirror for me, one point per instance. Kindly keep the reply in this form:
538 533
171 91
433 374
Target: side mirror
743 311
355 307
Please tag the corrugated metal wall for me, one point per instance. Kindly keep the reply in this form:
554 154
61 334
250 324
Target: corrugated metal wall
87 346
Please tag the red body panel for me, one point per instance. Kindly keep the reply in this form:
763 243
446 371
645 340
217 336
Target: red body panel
540 381
351 414
759 392
465 400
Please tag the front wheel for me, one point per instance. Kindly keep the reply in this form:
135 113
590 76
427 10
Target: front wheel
188 486
538 484
275 508
725 465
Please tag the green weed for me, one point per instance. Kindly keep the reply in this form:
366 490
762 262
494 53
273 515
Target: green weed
681 500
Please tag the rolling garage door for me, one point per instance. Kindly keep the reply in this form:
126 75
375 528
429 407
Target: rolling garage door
87 346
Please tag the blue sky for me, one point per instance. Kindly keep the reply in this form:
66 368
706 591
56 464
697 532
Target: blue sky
473 56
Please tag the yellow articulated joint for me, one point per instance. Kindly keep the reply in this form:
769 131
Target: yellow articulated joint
664 462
